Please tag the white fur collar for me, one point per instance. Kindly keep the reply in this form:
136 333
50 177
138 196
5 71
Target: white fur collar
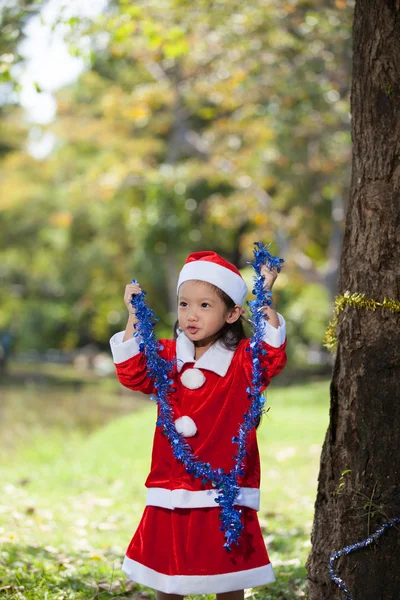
216 358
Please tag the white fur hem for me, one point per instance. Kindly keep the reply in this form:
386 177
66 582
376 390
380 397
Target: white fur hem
275 336
197 584
181 498
123 351
228 281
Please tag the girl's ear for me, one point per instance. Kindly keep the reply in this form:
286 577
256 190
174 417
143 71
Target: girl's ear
234 314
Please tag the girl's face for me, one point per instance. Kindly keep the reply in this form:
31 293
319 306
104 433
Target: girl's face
202 313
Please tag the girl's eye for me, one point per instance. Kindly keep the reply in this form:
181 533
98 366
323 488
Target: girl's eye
183 304
204 304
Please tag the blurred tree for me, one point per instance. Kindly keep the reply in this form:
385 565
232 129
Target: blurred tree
363 435
13 132
196 126
14 15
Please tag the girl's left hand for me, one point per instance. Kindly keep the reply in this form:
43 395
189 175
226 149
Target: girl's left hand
269 276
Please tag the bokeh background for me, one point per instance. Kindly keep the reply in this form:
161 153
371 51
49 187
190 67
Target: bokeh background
134 133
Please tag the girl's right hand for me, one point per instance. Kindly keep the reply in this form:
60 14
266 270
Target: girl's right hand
130 290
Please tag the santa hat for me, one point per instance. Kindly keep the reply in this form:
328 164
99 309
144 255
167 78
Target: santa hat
209 266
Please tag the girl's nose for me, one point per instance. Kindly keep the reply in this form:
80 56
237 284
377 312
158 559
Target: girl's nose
192 317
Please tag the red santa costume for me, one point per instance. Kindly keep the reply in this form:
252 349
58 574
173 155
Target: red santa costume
178 545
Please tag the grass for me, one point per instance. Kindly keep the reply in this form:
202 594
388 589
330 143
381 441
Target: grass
72 495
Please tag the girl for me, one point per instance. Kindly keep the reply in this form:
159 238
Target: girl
178 547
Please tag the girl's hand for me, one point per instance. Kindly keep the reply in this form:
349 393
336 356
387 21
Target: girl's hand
130 290
269 276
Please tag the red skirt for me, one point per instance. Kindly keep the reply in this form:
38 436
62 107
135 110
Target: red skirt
181 551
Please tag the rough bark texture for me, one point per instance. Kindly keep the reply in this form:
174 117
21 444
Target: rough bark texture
364 429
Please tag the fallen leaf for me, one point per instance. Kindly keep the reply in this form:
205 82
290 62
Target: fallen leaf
114 586
24 481
51 549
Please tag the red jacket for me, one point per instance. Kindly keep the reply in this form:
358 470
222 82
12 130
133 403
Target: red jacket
217 408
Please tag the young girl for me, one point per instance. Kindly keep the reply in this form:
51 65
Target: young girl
178 547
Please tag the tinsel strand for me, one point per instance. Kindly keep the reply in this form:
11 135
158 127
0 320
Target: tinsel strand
357 301
161 370
350 548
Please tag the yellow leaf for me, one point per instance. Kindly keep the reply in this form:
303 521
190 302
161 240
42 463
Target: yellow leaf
137 112
61 219
289 8
260 219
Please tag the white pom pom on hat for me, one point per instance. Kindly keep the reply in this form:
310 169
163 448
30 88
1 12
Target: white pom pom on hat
210 267
186 426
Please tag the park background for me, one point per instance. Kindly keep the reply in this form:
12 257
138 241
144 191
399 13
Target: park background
183 127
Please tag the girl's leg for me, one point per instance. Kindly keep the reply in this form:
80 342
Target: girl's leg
236 595
164 596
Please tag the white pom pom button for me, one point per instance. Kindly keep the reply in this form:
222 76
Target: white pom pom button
193 378
186 426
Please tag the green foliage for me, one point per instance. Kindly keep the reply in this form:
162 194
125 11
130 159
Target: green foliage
14 15
205 125
341 483
307 313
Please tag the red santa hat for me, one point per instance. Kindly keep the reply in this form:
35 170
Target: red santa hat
209 266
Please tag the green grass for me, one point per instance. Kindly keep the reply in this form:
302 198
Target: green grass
72 497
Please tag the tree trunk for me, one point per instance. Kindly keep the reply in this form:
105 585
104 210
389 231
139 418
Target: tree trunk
364 429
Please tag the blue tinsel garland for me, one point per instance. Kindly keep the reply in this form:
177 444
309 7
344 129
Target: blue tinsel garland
161 371
226 483
350 548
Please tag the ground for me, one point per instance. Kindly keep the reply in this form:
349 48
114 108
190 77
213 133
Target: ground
72 486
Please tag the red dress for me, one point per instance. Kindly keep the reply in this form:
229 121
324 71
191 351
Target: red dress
178 546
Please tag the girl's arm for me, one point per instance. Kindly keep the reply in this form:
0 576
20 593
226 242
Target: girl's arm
274 337
130 363
130 290
269 311
130 327
271 315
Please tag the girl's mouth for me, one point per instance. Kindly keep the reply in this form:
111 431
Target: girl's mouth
193 329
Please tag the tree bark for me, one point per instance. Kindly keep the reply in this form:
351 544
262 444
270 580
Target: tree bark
364 430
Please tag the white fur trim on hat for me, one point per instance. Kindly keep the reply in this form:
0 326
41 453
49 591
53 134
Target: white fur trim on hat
228 281
186 426
193 379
